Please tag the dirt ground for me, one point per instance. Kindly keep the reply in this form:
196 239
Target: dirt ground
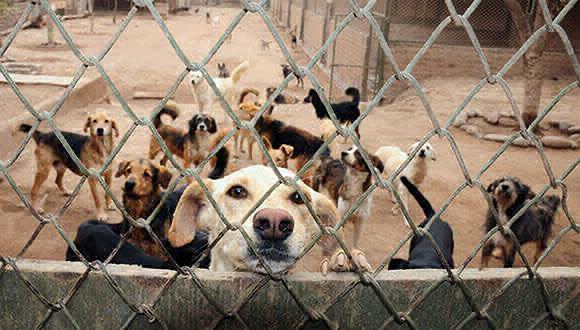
143 60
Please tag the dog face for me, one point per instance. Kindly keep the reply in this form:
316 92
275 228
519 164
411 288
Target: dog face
101 124
311 94
202 123
249 108
196 77
142 177
280 227
508 190
280 156
353 158
286 70
427 151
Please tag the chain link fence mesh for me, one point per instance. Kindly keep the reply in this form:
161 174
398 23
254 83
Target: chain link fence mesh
353 13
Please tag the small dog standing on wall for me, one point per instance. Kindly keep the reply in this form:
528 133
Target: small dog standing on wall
191 145
281 227
92 150
416 171
205 96
357 180
509 195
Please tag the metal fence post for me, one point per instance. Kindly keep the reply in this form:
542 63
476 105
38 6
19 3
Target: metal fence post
304 5
385 27
365 73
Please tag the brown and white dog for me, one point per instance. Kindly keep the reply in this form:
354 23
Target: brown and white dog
280 156
92 149
142 193
281 227
282 98
416 171
358 178
191 145
509 195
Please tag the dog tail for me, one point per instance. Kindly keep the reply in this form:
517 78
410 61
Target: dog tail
25 128
354 93
239 70
423 202
171 108
247 91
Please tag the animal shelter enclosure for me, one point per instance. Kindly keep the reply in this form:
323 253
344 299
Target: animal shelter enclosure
540 293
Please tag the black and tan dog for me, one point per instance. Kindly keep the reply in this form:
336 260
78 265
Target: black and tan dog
191 145
422 255
287 70
329 177
142 193
92 149
509 195
282 98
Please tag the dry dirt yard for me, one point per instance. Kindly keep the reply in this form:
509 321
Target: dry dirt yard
143 60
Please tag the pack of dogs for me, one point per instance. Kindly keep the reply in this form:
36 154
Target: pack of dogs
184 223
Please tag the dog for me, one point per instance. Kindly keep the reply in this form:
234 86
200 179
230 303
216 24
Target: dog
142 193
282 98
327 129
205 96
280 156
329 177
252 95
281 227
265 44
346 112
92 149
96 240
422 255
191 145
223 71
246 112
416 171
509 195
278 133
293 37
287 70
357 180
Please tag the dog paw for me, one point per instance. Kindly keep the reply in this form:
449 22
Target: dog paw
395 210
39 210
359 260
102 216
337 263
110 206
66 193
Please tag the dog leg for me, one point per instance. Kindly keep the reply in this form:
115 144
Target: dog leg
405 199
357 232
540 247
109 179
486 255
41 176
509 255
101 215
250 148
60 170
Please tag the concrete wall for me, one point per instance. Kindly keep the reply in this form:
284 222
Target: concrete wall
97 306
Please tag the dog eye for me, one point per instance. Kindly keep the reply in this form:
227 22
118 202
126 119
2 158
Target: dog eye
237 192
106 121
94 121
296 199
128 170
146 174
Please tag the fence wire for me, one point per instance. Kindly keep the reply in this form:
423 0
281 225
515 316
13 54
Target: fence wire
356 13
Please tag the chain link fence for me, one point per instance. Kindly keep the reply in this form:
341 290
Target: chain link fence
353 15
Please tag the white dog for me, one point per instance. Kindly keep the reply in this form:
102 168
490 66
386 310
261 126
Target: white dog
416 171
205 96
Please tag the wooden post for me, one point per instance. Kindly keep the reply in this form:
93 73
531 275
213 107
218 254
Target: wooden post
304 5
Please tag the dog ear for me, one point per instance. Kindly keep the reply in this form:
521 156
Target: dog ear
267 143
493 185
164 176
122 168
377 163
433 153
114 127
287 150
212 126
88 123
189 215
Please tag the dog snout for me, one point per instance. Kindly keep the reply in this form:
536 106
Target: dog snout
100 131
273 224
202 127
129 186
422 153
504 187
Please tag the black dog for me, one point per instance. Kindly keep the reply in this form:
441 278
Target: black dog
287 70
509 195
346 112
96 240
294 41
421 253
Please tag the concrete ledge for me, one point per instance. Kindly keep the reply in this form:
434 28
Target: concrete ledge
184 307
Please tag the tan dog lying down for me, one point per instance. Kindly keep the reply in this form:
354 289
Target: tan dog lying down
281 227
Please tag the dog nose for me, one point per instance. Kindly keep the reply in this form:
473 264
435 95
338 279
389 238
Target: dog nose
273 224
129 186
343 154
100 131
504 187
422 153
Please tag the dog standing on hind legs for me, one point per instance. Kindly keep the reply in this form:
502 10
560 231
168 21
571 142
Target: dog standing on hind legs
509 195
92 149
